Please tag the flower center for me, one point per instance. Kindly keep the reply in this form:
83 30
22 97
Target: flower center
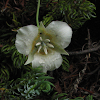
44 45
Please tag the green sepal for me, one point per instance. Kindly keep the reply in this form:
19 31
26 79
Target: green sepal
59 49
31 56
41 27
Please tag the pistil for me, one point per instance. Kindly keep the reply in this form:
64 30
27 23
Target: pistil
44 44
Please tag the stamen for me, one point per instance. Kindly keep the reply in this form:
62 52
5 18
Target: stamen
39 43
39 48
50 45
45 50
47 40
41 39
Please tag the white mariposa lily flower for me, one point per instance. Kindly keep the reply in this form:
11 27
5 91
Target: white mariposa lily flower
44 46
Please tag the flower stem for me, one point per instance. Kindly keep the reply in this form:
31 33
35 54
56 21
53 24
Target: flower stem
37 14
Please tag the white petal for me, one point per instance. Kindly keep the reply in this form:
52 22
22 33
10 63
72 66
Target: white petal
50 62
61 33
25 37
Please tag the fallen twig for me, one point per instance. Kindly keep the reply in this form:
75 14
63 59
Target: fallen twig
84 51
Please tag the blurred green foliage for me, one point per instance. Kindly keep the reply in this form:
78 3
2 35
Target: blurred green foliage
23 82
28 86
65 64
62 96
74 12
